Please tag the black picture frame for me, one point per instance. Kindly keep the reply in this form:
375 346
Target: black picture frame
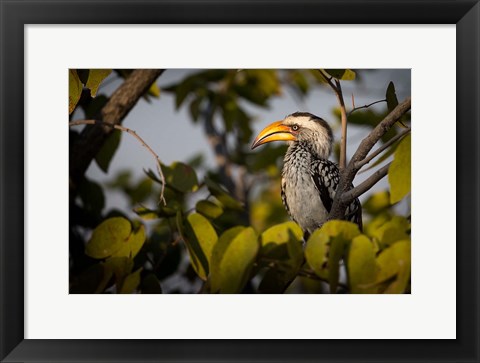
15 14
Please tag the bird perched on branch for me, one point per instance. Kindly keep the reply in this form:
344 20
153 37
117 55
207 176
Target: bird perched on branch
309 179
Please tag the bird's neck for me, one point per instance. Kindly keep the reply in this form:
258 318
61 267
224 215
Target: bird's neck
317 150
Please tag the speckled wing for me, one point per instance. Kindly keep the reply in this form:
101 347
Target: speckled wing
326 176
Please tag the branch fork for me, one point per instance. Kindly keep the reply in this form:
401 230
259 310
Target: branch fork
344 194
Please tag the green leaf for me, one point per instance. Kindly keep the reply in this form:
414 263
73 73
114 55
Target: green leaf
83 75
206 237
267 79
395 264
235 117
208 209
284 243
341 232
133 244
326 247
200 238
154 90
179 223
95 77
119 267
169 254
300 82
74 90
377 202
195 84
122 180
131 282
108 237
105 154
196 161
376 222
391 97
181 92
257 86
181 177
153 175
172 263
142 191
93 107
166 211
232 259
361 265
92 197
146 213
392 101
280 234
223 197
399 173
316 253
344 229
195 108
392 231
363 117
342 74
337 250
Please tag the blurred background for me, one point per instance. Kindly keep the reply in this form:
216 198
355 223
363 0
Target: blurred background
207 120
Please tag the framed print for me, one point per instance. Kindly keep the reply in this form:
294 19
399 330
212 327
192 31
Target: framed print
49 309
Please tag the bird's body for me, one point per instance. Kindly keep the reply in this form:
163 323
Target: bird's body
309 179
300 194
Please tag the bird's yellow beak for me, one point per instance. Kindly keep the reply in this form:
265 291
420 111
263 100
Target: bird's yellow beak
276 131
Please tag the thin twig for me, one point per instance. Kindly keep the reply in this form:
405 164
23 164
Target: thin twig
337 88
134 134
365 106
363 187
385 146
327 78
343 112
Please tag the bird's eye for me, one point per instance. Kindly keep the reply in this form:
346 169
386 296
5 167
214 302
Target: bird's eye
295 127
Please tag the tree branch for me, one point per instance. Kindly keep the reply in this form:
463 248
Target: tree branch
327 79
337 88
390 142
346 178
135 135
373 179
118 106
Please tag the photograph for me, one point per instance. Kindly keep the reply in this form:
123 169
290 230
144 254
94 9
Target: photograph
236 170
239 181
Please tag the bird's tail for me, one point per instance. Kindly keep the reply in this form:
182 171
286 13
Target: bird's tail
358 218
355 215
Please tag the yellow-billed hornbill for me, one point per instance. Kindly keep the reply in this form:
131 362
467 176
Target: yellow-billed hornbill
309 179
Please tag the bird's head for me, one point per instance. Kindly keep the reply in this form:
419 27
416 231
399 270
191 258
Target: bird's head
302 127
